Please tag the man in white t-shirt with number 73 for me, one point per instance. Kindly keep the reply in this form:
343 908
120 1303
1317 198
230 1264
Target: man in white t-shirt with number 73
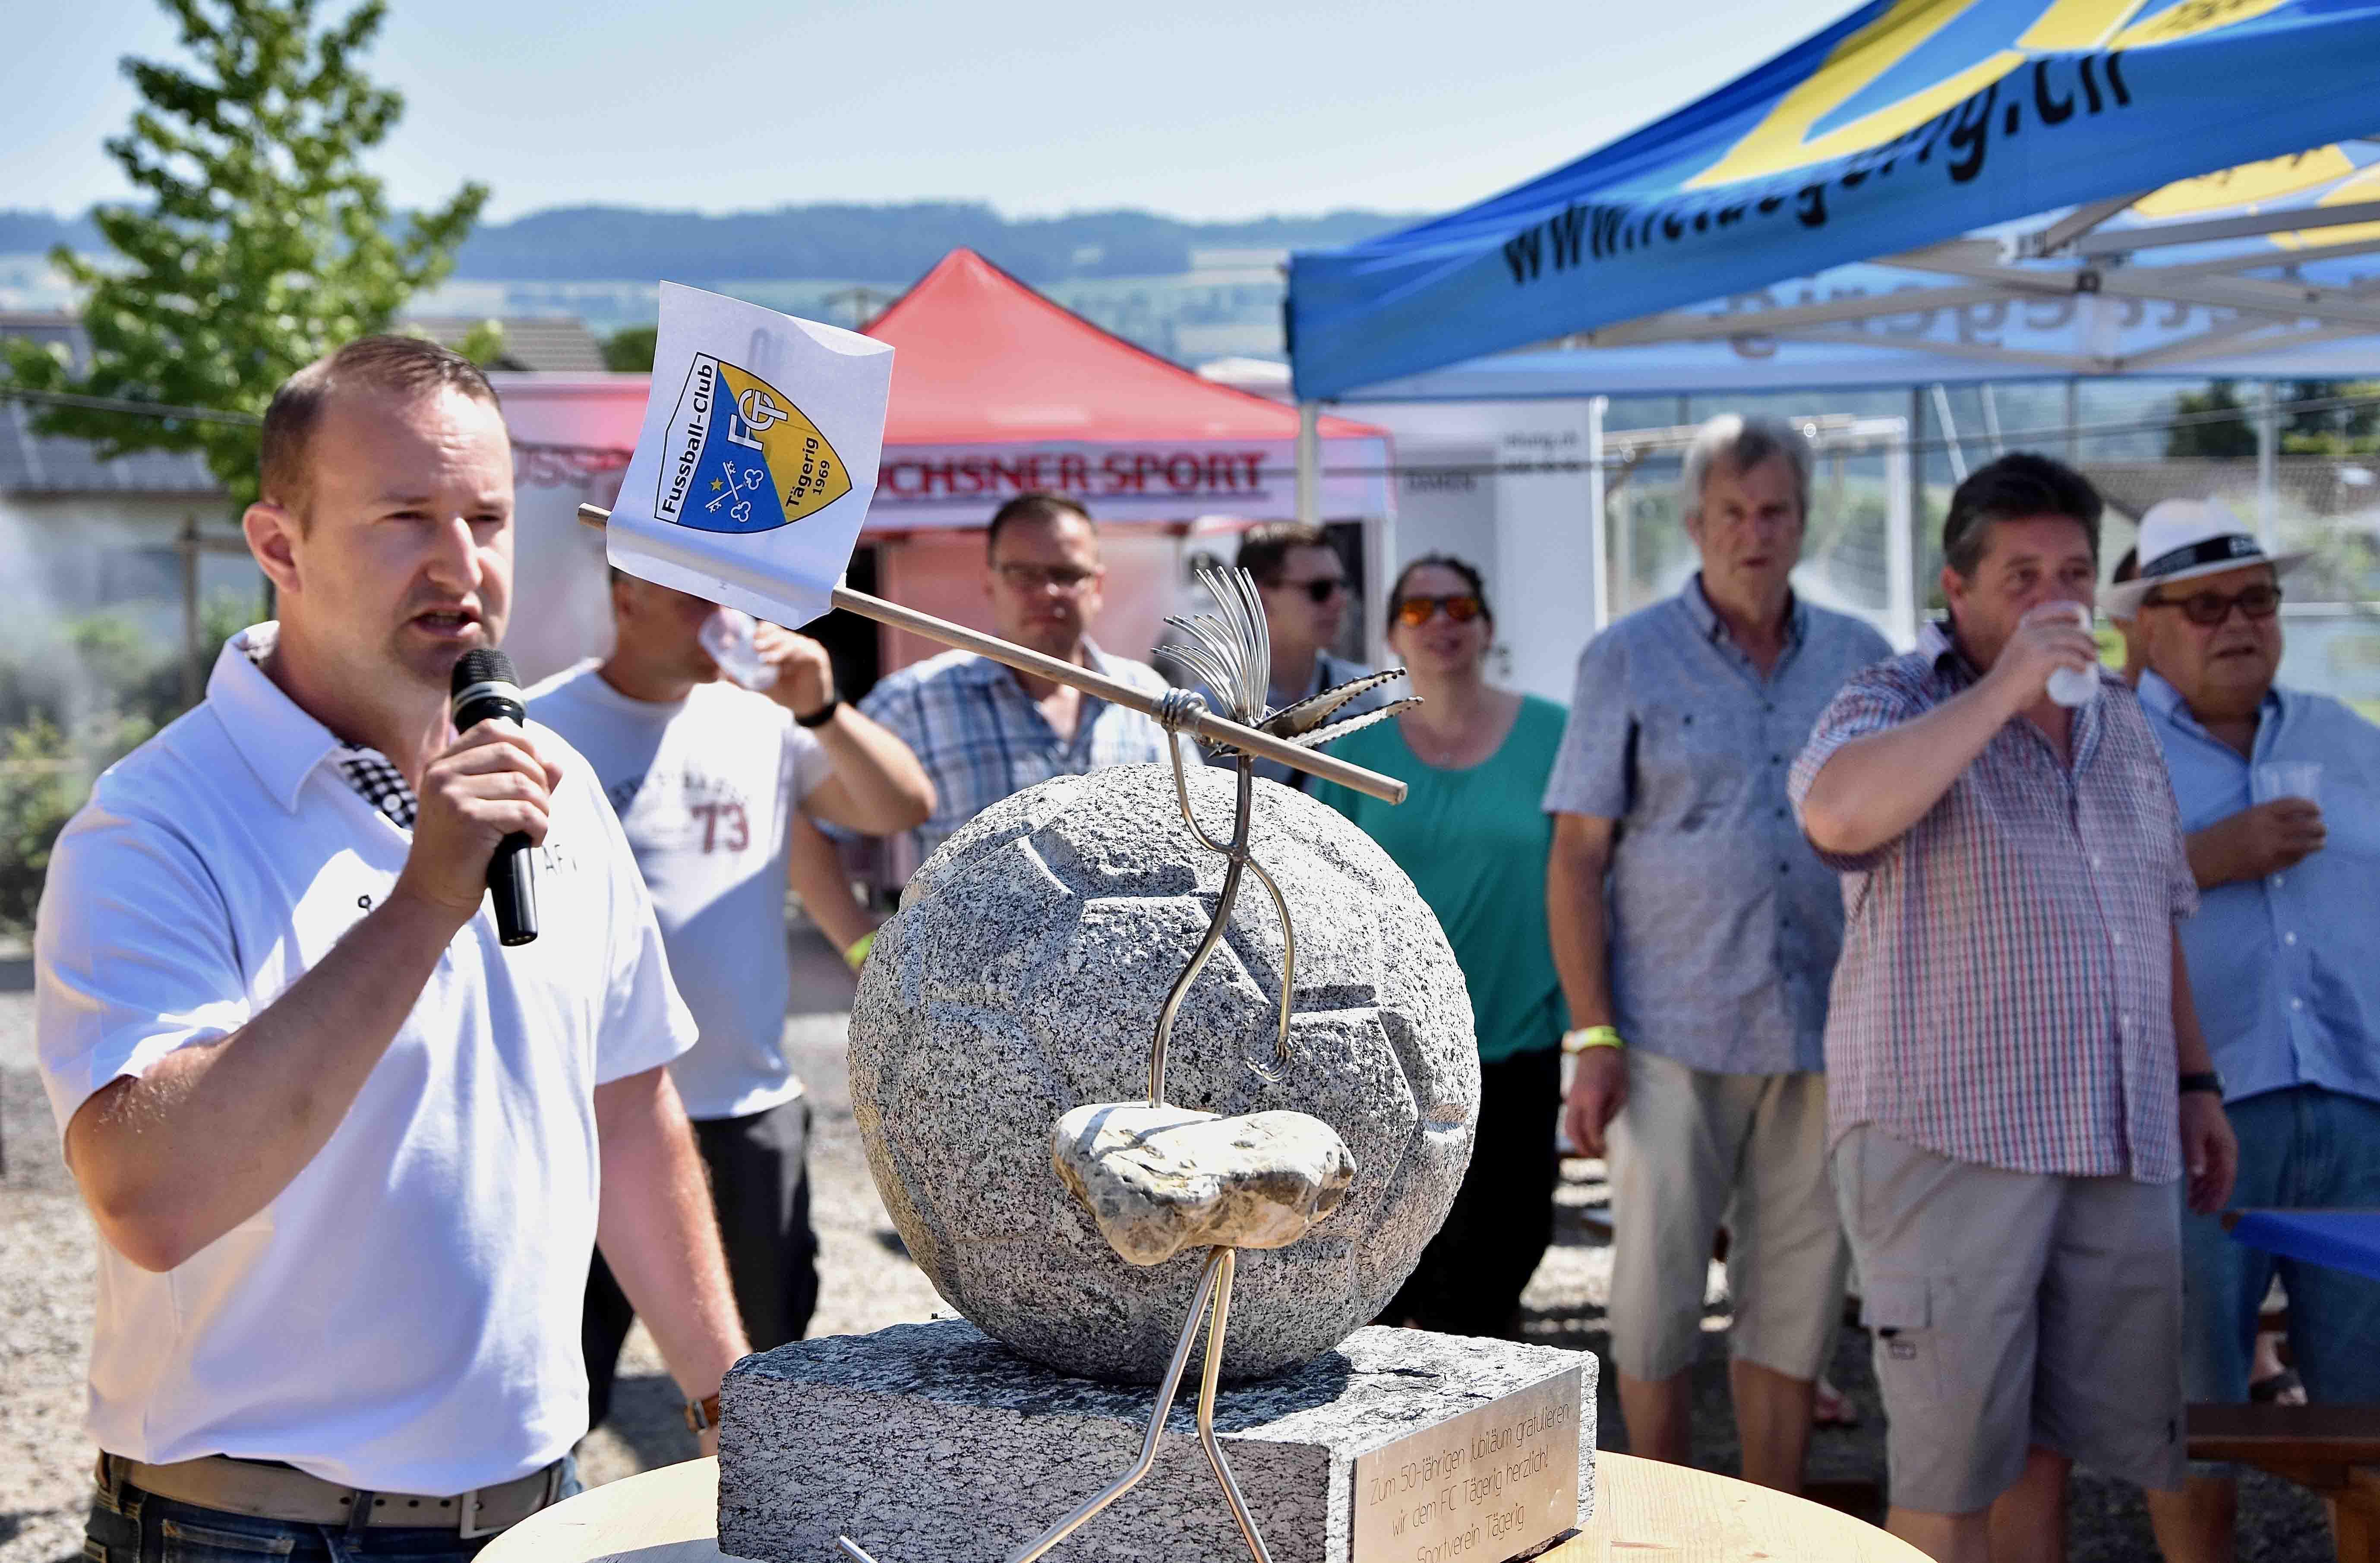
707 778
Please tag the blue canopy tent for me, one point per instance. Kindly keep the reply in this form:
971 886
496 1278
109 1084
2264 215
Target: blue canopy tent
1926 190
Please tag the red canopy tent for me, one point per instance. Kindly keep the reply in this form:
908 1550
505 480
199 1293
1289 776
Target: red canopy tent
997 391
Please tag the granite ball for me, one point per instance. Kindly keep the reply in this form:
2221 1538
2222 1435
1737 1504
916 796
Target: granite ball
1023 976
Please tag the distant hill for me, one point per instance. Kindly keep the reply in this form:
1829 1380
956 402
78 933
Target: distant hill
841 241
872 241
32 233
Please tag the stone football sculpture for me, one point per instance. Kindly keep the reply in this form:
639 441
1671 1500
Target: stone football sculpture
1035 957
1157 1178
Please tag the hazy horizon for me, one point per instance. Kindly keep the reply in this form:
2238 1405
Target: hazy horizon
1054 107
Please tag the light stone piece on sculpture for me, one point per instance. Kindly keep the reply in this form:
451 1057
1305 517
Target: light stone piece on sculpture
1023 976
1161 1180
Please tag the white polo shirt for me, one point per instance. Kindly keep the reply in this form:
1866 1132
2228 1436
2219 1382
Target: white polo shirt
705 788
405 1315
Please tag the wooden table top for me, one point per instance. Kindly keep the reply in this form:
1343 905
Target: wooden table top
1645 1512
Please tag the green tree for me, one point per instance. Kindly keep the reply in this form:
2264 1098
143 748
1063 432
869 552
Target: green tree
264 242
2352 430
2227 439
630 350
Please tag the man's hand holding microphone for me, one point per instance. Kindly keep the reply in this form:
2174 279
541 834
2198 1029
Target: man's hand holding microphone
481 805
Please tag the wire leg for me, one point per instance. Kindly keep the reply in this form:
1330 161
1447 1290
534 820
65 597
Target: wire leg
1218 1263
1223 1262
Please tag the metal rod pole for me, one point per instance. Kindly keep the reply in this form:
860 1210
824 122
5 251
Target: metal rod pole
1598 515
1309 463
194 656
2268 448
1206 724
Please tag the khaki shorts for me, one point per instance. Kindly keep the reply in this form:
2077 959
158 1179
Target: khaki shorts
2013 1309
1692 1148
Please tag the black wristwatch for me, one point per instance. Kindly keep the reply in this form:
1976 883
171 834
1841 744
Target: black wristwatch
2204 1080
823 715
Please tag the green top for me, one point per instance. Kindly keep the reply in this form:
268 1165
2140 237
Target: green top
1475 842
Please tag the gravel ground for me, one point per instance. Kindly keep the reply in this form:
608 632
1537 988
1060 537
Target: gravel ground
868 1281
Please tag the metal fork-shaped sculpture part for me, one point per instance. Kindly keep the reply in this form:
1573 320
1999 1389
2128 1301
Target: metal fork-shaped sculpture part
1230 652
1214 1292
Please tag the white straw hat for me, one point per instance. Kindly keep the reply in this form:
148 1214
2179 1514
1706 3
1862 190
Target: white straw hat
2185 538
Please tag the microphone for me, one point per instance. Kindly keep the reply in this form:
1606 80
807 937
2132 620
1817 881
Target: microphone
484 687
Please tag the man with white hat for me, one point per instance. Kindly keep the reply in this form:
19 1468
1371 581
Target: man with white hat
2281 960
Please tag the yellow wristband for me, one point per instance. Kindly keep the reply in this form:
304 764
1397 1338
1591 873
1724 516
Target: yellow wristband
1587 1036
856 956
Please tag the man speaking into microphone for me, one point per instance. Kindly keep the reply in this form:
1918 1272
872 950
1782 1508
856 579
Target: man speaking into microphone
342 1145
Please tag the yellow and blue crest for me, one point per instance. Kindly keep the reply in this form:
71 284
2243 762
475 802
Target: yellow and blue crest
742 457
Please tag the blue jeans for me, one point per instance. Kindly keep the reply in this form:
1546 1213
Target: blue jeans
2304 1148
139 1527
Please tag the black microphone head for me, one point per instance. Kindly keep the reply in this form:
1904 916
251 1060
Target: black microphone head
484 688
482 665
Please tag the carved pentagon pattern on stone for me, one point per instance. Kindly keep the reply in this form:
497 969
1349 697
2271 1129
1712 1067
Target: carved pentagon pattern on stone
1023 977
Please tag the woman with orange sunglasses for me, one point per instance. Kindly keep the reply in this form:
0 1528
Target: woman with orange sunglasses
1472 835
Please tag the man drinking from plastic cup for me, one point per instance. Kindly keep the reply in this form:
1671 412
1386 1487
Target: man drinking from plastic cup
2278 792
2016 1076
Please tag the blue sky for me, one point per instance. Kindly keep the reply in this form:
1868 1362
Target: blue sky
1230 108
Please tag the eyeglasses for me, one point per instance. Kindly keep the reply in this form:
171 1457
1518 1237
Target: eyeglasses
1321 589
1414 612
2208 609
1035 578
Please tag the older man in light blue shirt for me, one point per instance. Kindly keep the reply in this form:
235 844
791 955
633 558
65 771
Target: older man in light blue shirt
2280 796
1695 932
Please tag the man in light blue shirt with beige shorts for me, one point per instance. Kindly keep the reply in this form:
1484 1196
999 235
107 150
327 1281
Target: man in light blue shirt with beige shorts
1692 922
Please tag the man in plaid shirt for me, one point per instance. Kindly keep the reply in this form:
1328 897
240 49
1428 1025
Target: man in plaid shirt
984 731
2016 1074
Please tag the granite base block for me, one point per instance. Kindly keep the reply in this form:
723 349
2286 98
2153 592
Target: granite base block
931 1443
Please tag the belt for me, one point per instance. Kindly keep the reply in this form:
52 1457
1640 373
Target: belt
273 1491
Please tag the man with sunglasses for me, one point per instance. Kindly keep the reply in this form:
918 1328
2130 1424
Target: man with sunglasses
2282 963
984 731
1305 590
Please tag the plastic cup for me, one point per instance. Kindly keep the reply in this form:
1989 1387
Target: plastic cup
727 635
2287 778
2075 687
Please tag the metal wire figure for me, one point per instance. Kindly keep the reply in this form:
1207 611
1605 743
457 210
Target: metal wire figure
1230 652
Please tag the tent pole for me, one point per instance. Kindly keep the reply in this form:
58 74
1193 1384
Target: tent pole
1309 463
1915 469
1598 521
2268 449
1900 537
1951 445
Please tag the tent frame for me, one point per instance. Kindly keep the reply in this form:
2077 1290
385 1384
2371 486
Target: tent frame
2099 262
2084 260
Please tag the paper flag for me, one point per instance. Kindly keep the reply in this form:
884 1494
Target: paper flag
758 457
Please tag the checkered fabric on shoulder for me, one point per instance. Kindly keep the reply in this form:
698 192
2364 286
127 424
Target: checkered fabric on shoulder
380 783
